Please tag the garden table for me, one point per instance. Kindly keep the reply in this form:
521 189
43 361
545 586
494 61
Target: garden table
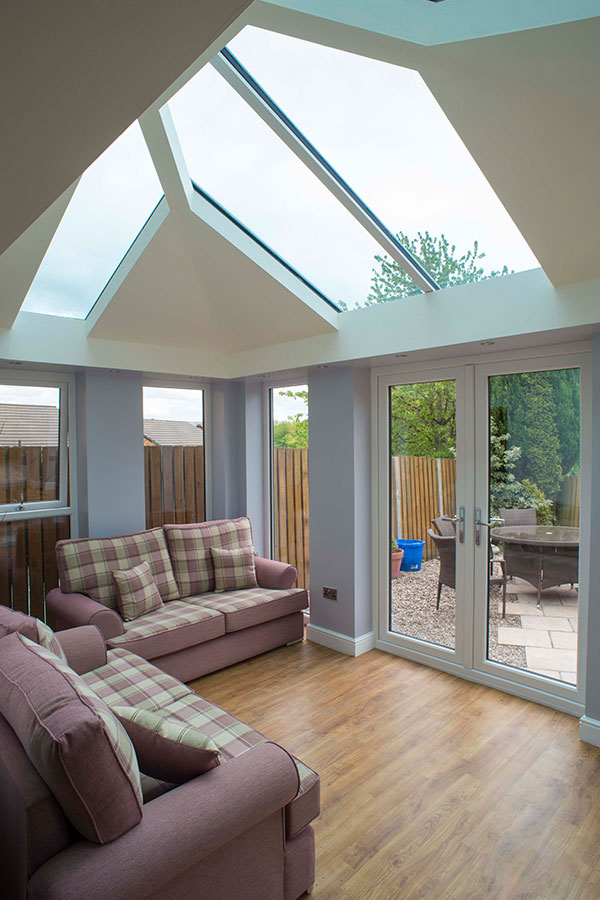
543 555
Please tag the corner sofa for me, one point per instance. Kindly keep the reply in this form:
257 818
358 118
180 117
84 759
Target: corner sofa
240 831
196 630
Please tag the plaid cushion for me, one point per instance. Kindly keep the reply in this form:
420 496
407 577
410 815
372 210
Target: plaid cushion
234 569
86 565
177 614
136 592
127 678
189 546
116 734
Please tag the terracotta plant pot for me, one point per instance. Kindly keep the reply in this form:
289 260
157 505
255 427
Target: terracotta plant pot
396 562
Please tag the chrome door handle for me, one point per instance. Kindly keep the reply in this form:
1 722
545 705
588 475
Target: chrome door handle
460 518
479 524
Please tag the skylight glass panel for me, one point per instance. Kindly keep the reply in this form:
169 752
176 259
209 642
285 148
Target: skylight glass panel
110 206
381 128
242 164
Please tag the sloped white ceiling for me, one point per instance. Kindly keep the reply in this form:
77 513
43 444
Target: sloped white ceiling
192 288
74 75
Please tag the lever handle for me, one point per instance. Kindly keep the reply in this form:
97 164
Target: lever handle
460 518
479 524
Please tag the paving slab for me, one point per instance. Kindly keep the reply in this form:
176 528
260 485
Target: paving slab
556 609
570 602
570 677
549 673
525 637
542 658
546 623
522 609
562 640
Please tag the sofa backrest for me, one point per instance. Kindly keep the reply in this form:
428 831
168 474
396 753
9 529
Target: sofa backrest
32 826
85 565
189 548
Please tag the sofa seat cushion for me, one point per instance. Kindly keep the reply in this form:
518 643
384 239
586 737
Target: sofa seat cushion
85 565
128 679
233 737
169 628
253 606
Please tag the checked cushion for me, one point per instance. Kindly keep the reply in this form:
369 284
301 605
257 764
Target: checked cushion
189 546
85 565
234 569
136 592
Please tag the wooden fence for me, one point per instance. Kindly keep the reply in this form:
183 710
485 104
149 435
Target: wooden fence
422 488
174 485
290 510
27 555
567 504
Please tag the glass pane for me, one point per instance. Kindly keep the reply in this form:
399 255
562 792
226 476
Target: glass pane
28 562
534 477
110 206
239 161
423 492
380 126
174 455
290 478
29 443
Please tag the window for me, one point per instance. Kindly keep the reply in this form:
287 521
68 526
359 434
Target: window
174 455
35 501
239 161
109 208
381 128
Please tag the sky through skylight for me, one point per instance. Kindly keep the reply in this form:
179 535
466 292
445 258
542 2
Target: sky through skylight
111 203
380 126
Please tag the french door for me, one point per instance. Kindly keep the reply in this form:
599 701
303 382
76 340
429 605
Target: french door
481 474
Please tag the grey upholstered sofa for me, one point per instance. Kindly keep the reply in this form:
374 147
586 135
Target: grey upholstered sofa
196 630
239 831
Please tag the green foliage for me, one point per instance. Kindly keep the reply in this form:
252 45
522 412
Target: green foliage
294 431
438 257
423 419
506 492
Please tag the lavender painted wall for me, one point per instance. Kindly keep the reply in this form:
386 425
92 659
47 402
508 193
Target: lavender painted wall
110 452
340 508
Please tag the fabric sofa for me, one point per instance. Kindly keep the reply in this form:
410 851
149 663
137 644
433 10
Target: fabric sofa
240 831
196 630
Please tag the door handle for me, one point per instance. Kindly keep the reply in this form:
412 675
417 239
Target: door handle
460 518
494 520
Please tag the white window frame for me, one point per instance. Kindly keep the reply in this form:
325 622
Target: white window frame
191 384
67 451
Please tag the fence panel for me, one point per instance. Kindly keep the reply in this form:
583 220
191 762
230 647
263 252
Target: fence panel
174 485
290 510
422 488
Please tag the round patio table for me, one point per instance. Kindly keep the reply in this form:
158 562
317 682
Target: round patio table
543 555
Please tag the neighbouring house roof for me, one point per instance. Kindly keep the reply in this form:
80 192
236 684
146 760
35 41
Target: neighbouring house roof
172 434
22 425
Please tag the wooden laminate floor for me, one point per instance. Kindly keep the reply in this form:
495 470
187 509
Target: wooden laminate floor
432 787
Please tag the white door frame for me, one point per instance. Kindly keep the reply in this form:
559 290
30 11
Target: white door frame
560 696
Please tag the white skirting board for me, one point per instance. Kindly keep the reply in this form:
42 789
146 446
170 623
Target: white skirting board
351 646
589 731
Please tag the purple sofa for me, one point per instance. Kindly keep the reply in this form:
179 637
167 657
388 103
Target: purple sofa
196 630
240 831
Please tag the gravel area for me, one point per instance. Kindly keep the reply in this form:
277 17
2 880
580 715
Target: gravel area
414 613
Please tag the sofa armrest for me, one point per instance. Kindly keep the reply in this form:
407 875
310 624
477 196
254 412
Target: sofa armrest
177 831
273 574
77 609
85 647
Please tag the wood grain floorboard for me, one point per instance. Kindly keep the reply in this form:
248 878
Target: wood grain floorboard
433 788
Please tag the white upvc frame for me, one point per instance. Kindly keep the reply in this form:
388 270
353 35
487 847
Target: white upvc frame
382 535
66 502
269 385
581 361
542 690
191 384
